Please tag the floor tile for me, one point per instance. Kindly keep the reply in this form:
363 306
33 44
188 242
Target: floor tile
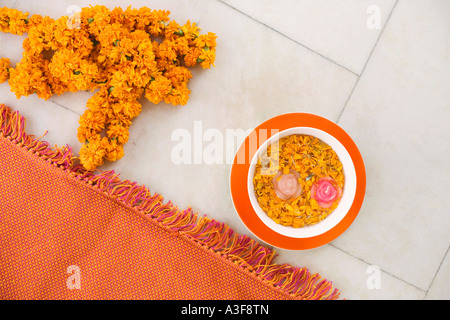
344 31
439 289
355 279
398 115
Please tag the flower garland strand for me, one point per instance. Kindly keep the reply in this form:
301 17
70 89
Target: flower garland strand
115 53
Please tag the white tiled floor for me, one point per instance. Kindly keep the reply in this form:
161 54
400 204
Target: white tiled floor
386 81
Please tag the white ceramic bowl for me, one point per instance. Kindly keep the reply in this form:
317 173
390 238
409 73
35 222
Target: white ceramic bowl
344 204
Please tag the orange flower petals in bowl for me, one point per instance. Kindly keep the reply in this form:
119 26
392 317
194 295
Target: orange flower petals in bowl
297 180
326 192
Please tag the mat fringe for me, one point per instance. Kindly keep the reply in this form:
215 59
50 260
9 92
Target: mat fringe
247 253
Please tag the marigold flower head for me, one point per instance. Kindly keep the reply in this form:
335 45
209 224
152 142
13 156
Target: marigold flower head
13 21
92 152
118 132
158 89
114 151
4 69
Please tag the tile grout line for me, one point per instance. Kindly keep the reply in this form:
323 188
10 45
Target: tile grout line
437 271
386 272
60 105
367 62
289 38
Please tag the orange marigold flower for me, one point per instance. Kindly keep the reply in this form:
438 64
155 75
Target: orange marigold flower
190 31
93 119
4 69
13 21
192 56
206 58
178 75
118 132
178 95
158 89
28 77
114 151
92 152
158 24
206 40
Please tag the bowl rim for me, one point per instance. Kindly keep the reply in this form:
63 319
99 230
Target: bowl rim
239 172
348 195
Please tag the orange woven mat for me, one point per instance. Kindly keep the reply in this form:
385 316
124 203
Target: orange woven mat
70 234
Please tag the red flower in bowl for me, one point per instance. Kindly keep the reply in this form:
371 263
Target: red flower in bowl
326 191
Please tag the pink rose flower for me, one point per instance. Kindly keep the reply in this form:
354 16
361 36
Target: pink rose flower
325 191
286 186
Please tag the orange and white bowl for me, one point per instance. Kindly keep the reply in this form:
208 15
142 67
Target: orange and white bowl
344 204
243 195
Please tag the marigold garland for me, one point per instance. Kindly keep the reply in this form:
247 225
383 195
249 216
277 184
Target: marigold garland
122 55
